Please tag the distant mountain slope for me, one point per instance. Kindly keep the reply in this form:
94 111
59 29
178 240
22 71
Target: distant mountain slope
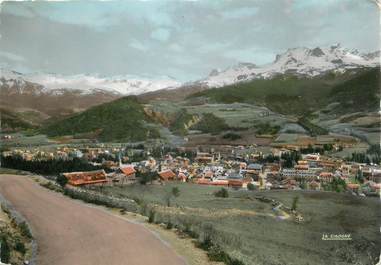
289 94
297 61
11 121
58 95
120 120
18 94
87 84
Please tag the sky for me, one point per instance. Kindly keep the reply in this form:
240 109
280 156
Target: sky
184 40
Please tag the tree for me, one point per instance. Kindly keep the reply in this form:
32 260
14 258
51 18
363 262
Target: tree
295 201
175 192
61 180
222 193
359 176
251 186
146 177
5 251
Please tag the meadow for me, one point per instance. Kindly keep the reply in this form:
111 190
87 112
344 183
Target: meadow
250 230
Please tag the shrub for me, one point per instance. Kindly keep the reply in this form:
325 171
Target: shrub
151 217
5 251
54 187
175 192
295 203
20 247
231 136
217 254
24 230
169 225
61 180
222 193
251 186
146 177
206 244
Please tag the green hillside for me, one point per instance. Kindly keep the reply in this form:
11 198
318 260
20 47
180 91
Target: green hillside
293 95
361 93
11 121
210 123
120 120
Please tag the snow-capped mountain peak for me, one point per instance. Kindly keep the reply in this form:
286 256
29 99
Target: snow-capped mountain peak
124 85
299 61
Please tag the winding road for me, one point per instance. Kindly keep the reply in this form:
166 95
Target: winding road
69 232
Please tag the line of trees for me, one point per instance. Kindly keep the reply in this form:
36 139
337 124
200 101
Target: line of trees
47 167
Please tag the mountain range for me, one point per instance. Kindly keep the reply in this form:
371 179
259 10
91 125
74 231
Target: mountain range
42 97
297 61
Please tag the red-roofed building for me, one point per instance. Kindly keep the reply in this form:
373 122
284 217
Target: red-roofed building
86 178
129 171
181 176
353 186
237 183
326 176
167 175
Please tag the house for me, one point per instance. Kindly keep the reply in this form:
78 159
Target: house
86 178
166 175
313 185
182 177
128 170
254 168
204 157
353 186
235 183
326 176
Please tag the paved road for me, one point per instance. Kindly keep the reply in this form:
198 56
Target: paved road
71 233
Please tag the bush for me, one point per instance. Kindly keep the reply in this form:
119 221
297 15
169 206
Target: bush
217 254
295 203
175 192
251 186
231 136
54 187
5 251
151 217
144 178
169 225
61 180
24 230
222 193
20 247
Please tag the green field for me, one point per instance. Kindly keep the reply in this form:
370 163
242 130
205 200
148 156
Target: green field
251 231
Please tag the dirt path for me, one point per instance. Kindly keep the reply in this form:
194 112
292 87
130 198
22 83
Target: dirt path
69 232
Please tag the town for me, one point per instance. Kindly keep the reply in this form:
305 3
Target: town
239 167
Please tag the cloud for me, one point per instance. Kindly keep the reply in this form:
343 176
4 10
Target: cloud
184 39
11 56
161 34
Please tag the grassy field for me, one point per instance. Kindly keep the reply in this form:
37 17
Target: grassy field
253 232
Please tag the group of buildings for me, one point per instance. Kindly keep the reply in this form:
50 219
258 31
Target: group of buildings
236 168
312 172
